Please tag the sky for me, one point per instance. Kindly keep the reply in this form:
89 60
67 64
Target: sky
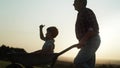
20 20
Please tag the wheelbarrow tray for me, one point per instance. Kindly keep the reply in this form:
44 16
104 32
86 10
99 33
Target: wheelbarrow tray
30 59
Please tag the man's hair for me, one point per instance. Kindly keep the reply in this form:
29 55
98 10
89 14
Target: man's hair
53 30
83 2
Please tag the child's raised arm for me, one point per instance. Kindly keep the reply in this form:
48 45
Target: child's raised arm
41 32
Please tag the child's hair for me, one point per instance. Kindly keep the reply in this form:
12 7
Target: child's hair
53 30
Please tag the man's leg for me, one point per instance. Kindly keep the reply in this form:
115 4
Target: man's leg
91 62
87 53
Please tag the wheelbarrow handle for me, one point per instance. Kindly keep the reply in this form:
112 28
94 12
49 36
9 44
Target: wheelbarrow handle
67 49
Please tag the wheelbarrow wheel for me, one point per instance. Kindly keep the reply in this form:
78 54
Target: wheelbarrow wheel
14 65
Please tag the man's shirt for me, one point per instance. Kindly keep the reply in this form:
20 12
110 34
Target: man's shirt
86 21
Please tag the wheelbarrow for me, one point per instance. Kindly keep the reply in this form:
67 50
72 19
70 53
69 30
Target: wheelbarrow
29 60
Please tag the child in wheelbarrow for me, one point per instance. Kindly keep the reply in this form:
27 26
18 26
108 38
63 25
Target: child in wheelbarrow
47 49
48 46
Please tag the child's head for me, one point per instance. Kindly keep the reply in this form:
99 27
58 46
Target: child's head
53 31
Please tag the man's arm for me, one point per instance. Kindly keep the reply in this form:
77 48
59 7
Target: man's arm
92 30
87 36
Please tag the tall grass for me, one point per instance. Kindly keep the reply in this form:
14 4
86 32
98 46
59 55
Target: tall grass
59 64
3 64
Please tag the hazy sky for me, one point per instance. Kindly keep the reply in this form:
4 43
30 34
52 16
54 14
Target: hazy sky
20 20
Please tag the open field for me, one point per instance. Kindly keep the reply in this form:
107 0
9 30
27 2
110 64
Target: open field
3 64
62 64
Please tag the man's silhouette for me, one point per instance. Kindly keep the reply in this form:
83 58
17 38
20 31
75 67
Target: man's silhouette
87 33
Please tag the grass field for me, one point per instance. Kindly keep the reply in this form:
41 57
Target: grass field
61 64
3 64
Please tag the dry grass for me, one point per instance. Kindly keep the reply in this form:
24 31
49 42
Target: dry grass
61 64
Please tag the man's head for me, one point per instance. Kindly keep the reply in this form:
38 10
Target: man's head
80 4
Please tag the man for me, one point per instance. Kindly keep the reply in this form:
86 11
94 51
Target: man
87 33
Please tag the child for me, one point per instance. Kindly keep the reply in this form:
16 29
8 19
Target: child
48 46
